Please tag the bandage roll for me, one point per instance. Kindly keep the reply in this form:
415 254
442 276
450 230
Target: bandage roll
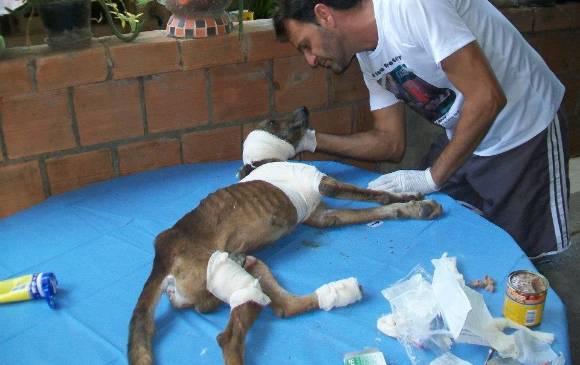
338 294
229 282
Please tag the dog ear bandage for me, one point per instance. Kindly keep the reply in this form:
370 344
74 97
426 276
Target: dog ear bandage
229 282
260 145
338 293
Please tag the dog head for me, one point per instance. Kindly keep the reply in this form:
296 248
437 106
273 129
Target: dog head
274 140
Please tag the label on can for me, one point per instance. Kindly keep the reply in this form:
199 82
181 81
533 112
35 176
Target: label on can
525 297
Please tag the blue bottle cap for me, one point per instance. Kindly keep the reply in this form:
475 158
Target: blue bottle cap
48 285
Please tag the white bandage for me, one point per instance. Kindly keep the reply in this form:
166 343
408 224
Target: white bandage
338 293
261 145
298 181
229 282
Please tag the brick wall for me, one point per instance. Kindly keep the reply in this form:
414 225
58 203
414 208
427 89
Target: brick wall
75 118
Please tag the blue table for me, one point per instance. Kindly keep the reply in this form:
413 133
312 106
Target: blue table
98 240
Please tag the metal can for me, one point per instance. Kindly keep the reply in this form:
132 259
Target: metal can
525 297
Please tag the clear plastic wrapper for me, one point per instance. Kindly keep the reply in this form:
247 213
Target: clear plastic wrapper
420 326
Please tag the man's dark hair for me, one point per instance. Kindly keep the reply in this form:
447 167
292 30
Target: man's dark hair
303 11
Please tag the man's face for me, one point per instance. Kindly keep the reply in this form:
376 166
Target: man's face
319 46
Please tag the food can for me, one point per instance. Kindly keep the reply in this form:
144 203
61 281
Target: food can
525 297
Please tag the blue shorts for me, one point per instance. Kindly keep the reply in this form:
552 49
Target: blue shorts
524 190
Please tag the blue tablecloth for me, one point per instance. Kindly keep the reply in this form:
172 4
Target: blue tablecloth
98 240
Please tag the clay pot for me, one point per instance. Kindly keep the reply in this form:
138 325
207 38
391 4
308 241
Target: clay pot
198 18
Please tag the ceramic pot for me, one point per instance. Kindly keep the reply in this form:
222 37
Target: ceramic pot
67 23
198 18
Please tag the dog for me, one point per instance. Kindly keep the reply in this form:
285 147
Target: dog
203 259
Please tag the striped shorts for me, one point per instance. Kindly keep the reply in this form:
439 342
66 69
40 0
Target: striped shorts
524 190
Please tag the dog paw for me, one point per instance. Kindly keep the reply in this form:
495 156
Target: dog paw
430 209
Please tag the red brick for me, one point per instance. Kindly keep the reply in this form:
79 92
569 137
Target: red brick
551 18
350 85
148 155
108 111
522 18
298 84
20 187
71 172
335 121
211 51
176 100
151 53
36 123
60 70
247 128
14 77
239 91
213 145
260 42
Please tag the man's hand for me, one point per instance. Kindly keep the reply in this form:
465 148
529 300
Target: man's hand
418 181
308 142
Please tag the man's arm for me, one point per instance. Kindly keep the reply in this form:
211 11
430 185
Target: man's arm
385 142
470 72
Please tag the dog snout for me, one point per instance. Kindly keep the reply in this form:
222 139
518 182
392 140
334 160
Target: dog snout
301 116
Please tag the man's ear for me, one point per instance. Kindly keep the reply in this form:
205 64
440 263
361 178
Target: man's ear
324 15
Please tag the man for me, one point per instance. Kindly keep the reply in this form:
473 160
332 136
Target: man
461 65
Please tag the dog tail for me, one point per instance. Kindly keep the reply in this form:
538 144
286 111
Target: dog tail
142 326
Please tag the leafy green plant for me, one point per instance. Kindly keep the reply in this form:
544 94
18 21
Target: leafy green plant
124 16
111 11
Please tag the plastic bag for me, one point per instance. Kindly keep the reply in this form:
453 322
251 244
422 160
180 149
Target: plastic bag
419 323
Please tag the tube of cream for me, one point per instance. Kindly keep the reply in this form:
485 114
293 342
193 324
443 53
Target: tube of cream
27 287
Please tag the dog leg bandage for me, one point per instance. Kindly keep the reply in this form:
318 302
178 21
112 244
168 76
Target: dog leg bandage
338 293
229 282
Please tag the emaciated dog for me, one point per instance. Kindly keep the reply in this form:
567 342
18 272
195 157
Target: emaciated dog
204 254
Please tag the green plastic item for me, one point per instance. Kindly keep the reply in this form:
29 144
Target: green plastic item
365 357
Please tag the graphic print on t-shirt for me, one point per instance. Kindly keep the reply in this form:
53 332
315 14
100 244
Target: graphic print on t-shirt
430 101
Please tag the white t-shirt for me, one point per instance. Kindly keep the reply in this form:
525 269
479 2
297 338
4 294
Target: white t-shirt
416 35
298 181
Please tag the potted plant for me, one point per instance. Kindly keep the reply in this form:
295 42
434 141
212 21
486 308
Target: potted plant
67 22
195 18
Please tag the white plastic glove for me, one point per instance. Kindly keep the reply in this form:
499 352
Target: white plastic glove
308 142
402 181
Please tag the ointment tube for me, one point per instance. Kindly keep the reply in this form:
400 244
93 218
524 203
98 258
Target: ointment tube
27 287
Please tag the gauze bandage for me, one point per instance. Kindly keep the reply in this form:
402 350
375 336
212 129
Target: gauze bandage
261 145
338 294
298 181
229 282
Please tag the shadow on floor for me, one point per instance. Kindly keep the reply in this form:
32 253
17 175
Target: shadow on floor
561 271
